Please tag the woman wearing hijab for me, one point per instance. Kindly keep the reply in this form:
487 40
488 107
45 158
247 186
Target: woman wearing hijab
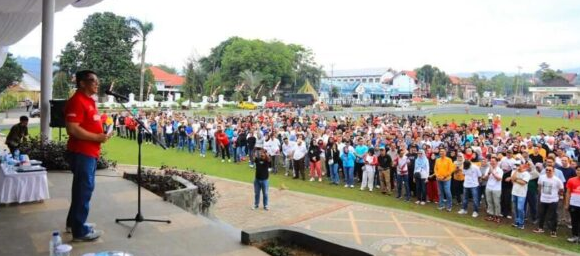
420 175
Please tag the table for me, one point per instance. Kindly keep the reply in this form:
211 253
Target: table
22 187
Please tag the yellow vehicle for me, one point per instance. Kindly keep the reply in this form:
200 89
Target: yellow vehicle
247 105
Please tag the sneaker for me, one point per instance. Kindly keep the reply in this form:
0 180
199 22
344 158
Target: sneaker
449 209
362 189
266 208
514 225
285 174
423 203
475 215
229 160
346 186
91 236
440 208
223 160
417 202
351 186
319 179
311 179
462 212
539 231
254 207
509 217
573 239
522 227
553 234
371 190
90 225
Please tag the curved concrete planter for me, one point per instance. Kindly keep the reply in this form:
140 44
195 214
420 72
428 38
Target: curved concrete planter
304 238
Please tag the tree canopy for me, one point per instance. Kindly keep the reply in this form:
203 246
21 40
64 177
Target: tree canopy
10 72
105 45
276 62
433 77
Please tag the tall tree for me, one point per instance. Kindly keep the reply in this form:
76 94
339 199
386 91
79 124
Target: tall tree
11 72
105 44
141 29
61 86
433 78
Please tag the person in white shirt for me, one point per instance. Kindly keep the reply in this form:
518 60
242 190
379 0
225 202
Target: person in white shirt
298 155
470 187
287 149
550 190
520 179
272 146
493 191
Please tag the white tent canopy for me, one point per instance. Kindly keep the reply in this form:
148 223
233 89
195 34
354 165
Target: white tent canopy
19 17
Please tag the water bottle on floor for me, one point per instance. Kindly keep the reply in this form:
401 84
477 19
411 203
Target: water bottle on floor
54 242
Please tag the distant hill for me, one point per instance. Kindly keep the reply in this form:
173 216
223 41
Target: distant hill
487 74
31 65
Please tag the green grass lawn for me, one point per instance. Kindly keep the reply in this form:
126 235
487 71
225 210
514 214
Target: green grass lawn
525 124
125 152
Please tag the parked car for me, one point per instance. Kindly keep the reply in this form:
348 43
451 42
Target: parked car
443 101
247 105
274 104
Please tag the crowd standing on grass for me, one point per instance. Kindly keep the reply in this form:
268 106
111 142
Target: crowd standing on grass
476 164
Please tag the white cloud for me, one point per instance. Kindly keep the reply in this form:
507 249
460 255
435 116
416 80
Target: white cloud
457 36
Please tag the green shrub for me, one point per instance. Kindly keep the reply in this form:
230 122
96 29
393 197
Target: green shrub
53 154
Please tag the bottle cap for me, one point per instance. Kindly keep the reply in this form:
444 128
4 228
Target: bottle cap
55 233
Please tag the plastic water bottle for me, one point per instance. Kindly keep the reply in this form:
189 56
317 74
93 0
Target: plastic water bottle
54 242
17 155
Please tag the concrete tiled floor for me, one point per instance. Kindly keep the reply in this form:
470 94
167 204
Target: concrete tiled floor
389 232
26 229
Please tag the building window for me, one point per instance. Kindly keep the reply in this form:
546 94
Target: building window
364 80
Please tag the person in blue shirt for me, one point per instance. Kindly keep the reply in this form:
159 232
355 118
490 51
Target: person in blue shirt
359 152
229 131
348 159
190 140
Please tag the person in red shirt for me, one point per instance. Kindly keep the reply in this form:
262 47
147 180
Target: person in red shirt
222 144
85 130
572 204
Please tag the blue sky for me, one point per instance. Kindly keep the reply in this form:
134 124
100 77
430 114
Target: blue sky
457 36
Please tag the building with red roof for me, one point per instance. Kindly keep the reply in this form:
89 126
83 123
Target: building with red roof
167 83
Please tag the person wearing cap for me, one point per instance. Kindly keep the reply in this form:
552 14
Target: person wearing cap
420 175
470 187
520 179
384 166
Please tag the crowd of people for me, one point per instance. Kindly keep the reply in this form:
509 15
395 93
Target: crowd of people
475 164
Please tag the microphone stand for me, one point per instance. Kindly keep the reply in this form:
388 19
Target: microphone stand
139 217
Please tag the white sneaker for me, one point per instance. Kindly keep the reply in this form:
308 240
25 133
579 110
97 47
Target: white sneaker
346 186
223 160
423 203
362 189
351 186
573 239
229 160
319 179
285 174
311 179
462 211
474 214
371 190
418 202
90 225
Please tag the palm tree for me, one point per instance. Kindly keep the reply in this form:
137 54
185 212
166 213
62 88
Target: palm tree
141 30
252 80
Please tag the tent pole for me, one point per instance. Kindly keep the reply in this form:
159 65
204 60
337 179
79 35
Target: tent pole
46 67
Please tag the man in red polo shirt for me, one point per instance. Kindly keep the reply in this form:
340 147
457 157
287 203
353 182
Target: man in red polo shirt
83 125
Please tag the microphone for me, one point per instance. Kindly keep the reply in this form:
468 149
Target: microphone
116 95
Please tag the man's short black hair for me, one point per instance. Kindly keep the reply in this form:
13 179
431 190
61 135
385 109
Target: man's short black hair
82 76
23 119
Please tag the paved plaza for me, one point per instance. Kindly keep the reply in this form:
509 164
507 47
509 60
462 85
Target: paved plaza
388 231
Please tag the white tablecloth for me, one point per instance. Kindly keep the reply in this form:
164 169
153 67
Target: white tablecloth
22 187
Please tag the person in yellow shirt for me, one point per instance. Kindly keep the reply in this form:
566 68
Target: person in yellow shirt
444 168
